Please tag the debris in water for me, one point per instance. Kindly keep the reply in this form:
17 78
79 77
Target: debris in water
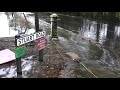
73 56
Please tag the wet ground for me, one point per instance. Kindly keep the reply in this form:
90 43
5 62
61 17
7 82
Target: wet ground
97 43
92 41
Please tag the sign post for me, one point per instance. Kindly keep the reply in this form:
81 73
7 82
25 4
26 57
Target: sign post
20 50
37 30
41 54
18 60
41 45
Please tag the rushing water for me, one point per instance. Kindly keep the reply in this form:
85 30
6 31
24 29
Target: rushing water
98 47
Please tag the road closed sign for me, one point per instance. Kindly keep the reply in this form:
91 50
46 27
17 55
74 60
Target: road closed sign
42 42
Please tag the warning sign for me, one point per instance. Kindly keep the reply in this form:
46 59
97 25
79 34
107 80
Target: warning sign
42 42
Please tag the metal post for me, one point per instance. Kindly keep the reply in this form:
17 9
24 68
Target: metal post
40 52
41 55
37 29
18 60
54 25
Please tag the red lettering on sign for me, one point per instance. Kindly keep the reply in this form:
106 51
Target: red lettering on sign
42 42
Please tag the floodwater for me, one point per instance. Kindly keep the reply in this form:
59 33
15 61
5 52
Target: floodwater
97 44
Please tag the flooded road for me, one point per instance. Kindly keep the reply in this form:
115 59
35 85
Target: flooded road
96 43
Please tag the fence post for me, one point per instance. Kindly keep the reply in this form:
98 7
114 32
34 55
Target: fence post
54 25
18 60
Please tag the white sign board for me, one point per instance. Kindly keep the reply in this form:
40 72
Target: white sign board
30 38
6 56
